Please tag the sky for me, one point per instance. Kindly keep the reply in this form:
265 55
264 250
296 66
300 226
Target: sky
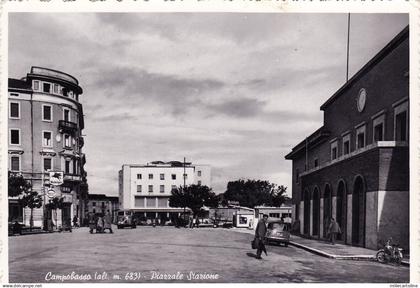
235 91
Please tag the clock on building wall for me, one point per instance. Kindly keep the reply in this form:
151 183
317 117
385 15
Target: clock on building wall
361 100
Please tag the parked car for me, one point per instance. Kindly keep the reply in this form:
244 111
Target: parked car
278 232
126 219
205 223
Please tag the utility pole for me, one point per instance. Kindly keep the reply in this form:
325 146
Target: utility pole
348 47
184 173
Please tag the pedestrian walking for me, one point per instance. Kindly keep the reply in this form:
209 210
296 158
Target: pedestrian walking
100 224
260 232
92 222
333 230
108 222
75 221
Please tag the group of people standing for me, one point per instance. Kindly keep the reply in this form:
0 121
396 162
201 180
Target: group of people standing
100 222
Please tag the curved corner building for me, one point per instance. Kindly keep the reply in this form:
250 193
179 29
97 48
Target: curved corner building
45 135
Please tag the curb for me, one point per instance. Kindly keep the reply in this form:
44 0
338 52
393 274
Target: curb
340 257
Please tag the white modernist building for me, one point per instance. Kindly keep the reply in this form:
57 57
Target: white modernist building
145 189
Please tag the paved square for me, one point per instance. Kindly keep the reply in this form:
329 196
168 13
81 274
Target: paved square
155 253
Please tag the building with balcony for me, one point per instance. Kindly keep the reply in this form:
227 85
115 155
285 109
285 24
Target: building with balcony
45 124
145 189
355 168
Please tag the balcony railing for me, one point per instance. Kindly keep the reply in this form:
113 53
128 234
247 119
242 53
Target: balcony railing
72 177
369 147
67 126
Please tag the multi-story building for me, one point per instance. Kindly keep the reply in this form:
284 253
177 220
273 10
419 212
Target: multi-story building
355 168
45 135
145 189
101 203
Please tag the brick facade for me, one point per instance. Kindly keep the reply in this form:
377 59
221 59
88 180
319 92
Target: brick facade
365 186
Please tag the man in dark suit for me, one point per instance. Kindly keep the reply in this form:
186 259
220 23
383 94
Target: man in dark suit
260 232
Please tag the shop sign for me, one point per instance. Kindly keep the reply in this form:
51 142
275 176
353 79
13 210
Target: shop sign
51 193
56 178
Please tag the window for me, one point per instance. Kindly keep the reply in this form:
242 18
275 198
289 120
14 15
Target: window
199 173
47 113
75 166
150 176
93 204
151 202
199 182
378 133
47 164
67 140
46 87
334 149
360 137
173 187
334 153
47 138
297 176
15 136
94 210
66 114
138 176
139 201
139 188
56 88
401 126
346 144
162 176
316 162
162 189
36 85
150 188
14 112
15 163
173 176
67 167
379 126
162 202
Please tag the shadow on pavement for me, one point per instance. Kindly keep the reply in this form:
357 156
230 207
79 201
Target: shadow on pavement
251 255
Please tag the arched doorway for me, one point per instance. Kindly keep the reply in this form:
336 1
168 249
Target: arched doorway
358 212
327 209
306 212
341 209
315 212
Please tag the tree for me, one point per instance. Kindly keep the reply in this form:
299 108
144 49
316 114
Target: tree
251 193
278 196
18 185
193 197
31 199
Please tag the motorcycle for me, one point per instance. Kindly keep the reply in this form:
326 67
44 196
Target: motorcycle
390 253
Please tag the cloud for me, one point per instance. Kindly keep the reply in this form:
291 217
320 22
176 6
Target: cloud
233 90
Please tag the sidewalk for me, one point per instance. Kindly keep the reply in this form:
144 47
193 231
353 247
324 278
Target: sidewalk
325 249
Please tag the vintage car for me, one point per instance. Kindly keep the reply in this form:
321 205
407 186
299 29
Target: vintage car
278 232
126 219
